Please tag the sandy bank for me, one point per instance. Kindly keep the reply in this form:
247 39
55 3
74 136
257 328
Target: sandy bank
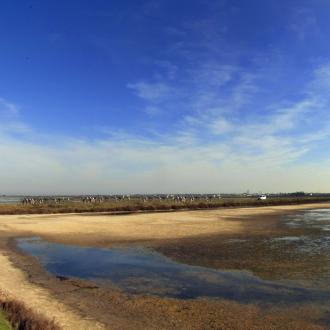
15 285
102 229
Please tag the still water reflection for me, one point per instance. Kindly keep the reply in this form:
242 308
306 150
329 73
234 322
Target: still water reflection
142 271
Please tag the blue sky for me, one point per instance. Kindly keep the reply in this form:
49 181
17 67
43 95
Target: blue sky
164 96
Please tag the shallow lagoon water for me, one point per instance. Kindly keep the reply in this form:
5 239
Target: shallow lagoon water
142 271
139 270
312 219
316 241
10 199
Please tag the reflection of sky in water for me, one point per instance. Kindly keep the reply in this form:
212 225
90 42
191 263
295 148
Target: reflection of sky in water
138 270
308 245
288 239
311 244
10 199
319 219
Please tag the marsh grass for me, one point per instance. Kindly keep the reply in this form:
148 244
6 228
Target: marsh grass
4 324
136 205
23 318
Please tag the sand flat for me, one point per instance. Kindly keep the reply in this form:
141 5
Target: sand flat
141 226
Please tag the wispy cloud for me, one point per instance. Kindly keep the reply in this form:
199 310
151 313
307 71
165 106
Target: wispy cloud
8 108
250 154
10 121
152 92
304 23
221 126
222 97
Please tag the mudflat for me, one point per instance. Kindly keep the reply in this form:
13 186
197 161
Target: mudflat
220 239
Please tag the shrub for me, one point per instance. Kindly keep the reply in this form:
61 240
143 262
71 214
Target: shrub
23 318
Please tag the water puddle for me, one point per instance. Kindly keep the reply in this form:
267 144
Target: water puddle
312 219
316 224
142 271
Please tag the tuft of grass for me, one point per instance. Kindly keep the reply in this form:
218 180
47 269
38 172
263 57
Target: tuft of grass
23 318
4 323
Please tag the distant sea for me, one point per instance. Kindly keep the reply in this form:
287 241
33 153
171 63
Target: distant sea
10 199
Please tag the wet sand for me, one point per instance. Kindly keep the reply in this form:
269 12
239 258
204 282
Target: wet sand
195 237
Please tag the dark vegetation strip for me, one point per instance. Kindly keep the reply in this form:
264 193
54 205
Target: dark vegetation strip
23 318
152 206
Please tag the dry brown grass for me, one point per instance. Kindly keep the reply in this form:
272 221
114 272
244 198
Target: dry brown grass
136 205
23 318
